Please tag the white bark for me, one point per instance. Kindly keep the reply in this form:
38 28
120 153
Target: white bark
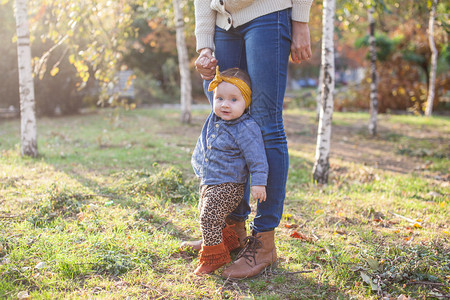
322 164
183 62
373 72
26 84
434 56
319 94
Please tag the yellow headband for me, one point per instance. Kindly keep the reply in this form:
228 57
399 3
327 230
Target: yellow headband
239 83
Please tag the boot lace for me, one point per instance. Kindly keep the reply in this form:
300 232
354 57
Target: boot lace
252 243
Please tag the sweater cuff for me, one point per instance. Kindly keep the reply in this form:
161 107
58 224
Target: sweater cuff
205 41
300 12
259 179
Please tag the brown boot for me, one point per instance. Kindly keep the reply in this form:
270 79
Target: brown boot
239 228
259 252
211 258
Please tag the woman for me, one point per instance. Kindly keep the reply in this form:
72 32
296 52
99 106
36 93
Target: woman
256 36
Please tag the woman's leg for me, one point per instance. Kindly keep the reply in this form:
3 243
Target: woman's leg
267 44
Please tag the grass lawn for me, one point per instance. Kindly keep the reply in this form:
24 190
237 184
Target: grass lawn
102 210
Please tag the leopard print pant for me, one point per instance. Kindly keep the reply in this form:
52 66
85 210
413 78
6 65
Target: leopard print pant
216 202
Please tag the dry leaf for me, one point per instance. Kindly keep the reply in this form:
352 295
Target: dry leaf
300 236
290 225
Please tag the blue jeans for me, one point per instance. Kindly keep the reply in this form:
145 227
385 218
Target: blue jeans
262 47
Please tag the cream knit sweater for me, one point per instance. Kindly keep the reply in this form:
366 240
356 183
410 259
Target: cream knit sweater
227 13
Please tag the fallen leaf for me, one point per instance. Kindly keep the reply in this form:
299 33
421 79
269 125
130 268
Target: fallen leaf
23 295
417 225
297 235
287 216
341 232
319 211
367 279
290 225
41 265
373 263
377 220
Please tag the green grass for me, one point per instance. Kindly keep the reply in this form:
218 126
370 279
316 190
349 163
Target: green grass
102 210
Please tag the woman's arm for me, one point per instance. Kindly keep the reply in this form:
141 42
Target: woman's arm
301 41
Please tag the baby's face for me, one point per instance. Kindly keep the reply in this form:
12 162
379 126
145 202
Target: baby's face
229 104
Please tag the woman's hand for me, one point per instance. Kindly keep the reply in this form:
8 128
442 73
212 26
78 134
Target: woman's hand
301 42
206 64
258 192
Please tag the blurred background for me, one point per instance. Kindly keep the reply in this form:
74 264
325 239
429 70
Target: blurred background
89 54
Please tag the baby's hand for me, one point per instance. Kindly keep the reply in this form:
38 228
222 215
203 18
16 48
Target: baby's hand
258 192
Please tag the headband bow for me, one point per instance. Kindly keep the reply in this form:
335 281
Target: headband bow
239 83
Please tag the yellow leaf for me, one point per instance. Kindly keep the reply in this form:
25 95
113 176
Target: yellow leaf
319 211
417 225
446 232
54 71
443 204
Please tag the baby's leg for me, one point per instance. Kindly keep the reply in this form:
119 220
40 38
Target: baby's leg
217 202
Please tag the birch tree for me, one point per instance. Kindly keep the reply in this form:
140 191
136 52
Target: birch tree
26 85
434 56
373 72
183 63
322 165
319 94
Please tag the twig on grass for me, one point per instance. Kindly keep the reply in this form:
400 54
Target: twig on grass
162 225
289 273
404 218
8 217
153 289
425 283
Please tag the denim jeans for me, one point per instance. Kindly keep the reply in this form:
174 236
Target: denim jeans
262 47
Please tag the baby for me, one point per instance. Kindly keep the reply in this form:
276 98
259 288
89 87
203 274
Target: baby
229 148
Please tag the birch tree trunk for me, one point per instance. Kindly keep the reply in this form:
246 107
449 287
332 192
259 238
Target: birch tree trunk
322 165
434 56
26 84
183 62
319 94
373 71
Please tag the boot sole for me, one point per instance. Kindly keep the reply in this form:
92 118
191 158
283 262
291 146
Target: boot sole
272 265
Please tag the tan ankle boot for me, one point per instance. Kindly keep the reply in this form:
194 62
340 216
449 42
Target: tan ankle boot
259 252
211 258
239 228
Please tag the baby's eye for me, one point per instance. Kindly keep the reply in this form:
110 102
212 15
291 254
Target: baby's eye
219 98
234 99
